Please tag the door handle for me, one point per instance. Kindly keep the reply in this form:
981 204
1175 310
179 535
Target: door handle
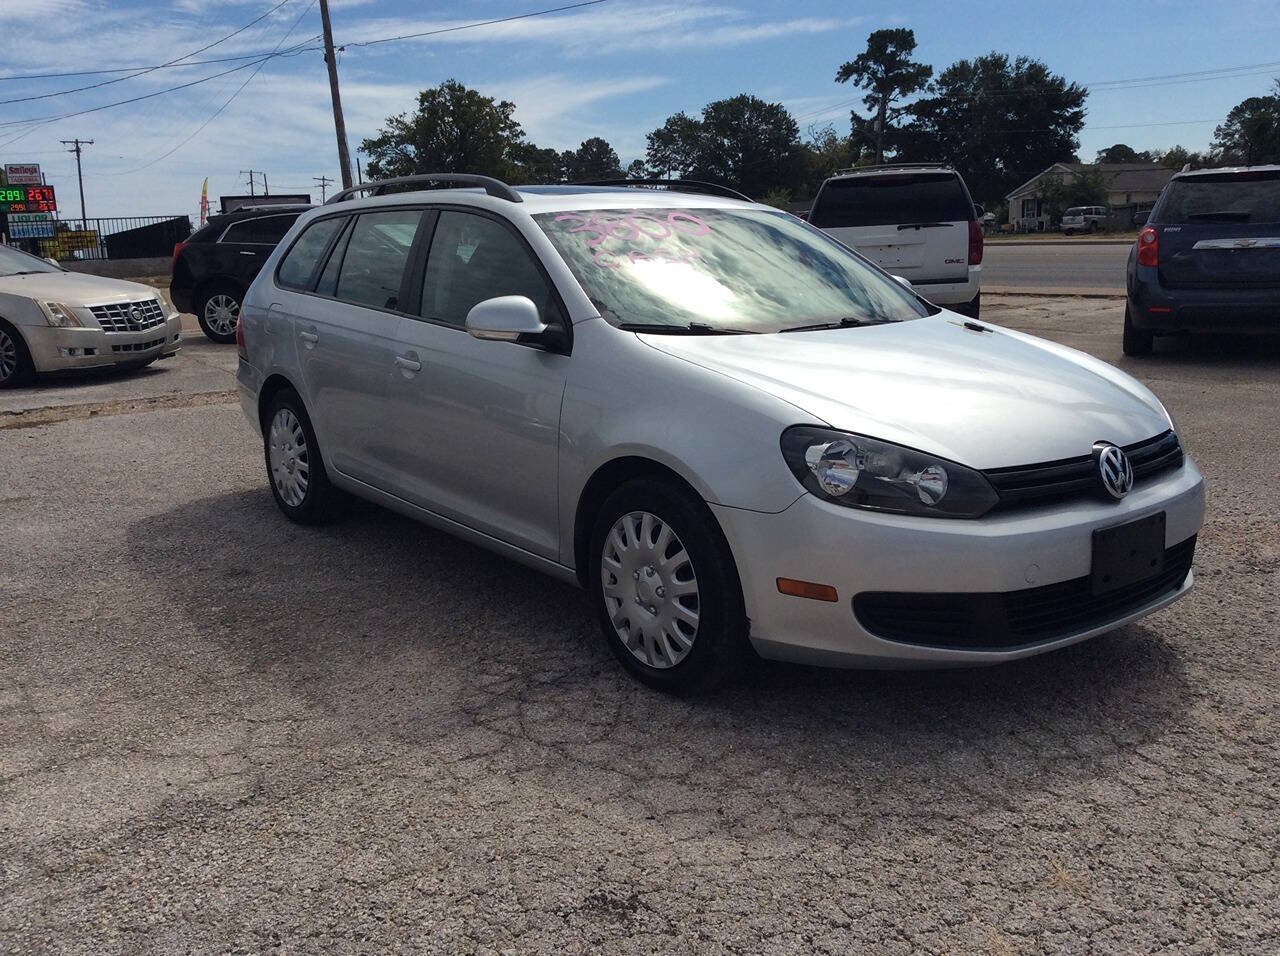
408 364
309 337
246 252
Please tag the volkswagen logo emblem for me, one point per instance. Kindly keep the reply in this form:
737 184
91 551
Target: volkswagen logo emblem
1114 469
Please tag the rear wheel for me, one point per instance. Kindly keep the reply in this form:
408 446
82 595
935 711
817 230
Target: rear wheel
295 468
16 367
218 311
665 587
1137 342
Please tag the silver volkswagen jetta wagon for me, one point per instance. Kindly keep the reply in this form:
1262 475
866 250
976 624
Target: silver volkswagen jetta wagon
729 428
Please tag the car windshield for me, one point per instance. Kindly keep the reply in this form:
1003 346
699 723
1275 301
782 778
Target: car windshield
1226 197
15 263
721 270
1075 211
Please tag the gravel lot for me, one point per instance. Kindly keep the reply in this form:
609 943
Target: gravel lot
221 732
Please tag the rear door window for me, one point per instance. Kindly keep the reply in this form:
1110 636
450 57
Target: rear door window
373 264
262 231
1230 197
891 199
299 263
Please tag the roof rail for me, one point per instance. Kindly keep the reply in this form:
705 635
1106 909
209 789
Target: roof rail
494 187
258 207
863 169
684 185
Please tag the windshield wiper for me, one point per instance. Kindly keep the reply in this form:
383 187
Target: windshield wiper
1226 215
923 225
693 328
848 322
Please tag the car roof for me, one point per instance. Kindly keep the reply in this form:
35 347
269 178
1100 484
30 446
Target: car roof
1226 170
252 212
555 198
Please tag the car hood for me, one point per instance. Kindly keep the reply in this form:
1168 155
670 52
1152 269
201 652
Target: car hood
987 399
76 288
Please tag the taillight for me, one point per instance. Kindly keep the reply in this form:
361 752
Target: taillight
1148 247
975 243
177 248
244 353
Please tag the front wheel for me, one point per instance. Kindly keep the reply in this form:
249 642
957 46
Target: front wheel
295 468
972 308
665 587
1137 342
218 312
16 367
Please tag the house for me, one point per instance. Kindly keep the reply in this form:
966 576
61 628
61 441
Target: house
1130 187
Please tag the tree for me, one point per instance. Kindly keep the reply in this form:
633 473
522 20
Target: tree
1123 153
454 129
999 121
594 159
885 70
673 147
636 170
742 142
536 164
1251 133
823 153
1175 157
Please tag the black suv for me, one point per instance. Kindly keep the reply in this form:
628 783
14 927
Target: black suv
213 269
1208 259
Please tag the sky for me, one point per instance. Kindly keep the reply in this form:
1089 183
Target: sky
615 69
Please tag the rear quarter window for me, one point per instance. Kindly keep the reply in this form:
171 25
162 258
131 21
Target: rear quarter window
1231 197
891 199
299 264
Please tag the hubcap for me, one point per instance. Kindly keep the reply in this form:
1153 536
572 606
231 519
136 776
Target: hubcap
290 463
8 356
650 589
221 313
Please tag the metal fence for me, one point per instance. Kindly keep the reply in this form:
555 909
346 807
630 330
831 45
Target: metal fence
121 237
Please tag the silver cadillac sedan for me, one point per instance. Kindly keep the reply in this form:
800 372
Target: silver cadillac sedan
731 430
52 320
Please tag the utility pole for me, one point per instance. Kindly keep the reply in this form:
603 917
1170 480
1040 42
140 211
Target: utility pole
359 171
324 182
339 124
75 145
251 173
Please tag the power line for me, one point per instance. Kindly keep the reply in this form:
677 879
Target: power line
472 26
218 111
130 69
150 69
147 96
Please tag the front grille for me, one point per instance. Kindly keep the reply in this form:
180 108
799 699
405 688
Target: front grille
120 317
991 621
1027 485
138 346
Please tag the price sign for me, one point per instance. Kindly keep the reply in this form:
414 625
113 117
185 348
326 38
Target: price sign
27 199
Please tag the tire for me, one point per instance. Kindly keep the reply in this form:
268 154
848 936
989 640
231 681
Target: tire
16 367
972 308
680 656
1137 342
218 309
1093 227
295 467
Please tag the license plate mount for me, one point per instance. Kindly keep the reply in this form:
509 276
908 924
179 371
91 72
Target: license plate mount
1127 553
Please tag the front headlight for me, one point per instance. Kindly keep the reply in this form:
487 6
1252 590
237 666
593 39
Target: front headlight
58 315
867 473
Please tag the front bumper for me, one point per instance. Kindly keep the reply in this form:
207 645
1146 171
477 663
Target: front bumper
54 349
1155 308
861 551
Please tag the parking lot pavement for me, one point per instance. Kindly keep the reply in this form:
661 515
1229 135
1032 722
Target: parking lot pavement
222 731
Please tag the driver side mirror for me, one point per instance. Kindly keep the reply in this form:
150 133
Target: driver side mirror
513 318
904 282
52 261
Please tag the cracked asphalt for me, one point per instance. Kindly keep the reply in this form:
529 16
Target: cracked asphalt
220 732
